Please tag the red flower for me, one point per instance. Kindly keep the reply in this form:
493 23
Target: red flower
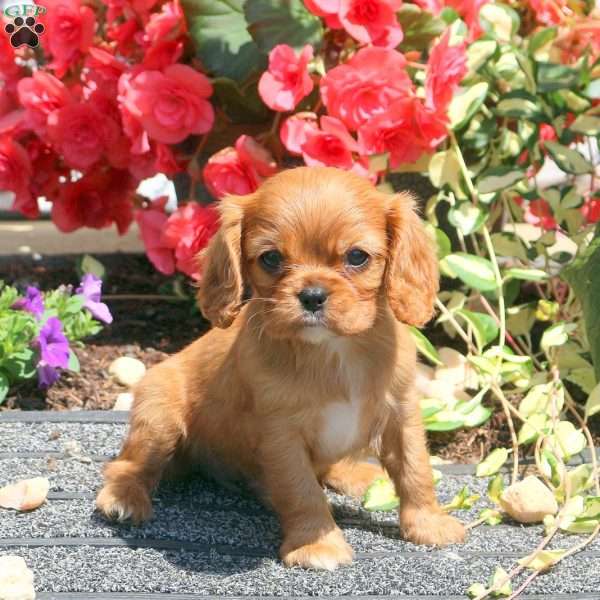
81 133
238 170
407 130
294 130
166 25
538 212
372 21
591 210
365 86
169 105
8 67
69 32
15 175
101 197
188 230
40 95
45 180
102 71
332 145
162 54
446 67
548 12
547 133
328 9
287 81
151 222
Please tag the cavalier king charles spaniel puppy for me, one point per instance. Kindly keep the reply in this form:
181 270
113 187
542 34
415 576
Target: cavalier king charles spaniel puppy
305 375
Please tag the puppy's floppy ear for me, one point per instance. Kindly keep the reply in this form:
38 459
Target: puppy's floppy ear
412 277
221 284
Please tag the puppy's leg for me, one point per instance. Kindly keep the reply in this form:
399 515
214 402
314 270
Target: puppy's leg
352 477
404 455
311 539
153 437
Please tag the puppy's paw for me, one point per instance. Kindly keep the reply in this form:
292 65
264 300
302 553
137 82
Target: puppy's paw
432 527
327 553
123 502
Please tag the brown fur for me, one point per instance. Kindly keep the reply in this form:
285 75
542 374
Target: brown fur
261 398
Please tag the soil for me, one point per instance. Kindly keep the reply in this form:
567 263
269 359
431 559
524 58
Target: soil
151 322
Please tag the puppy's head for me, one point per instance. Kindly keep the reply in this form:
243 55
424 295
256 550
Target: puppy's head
318 248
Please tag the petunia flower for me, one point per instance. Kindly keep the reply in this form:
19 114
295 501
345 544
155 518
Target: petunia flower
54 346
32 302
91 289
47 375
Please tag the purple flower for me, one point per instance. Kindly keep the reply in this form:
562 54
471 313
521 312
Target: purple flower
47 375
91 288
32 302
54 346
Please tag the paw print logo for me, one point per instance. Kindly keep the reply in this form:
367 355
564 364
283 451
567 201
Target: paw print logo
24 32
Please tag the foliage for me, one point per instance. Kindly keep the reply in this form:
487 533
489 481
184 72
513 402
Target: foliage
39 330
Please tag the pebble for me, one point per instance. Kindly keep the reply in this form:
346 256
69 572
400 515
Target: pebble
26 494
16 580
528 501
126 370
124 401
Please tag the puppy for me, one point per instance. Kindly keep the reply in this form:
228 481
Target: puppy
291 386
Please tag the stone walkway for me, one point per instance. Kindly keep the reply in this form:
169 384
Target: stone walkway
206 541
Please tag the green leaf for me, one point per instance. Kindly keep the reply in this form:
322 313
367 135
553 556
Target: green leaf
73 362
475 271
495 488
240 106
552 77
529 430
467 217
492 463
92 265
425 347
586 125
567 159
501 582
491 517
525 274
556 335
272 22
478 53
479 415
464 500
571 441
442 421
583 274
466 103
542 560
444 169
380 495
420 28
499 178
20 365
475 590
538 399
580 478
500 21
540 40
593 89
485 327
519 105
3 387
222 42
592 406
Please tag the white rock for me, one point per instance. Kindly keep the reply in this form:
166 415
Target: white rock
26 494
528 501
123 401
126 370
456 370
16 580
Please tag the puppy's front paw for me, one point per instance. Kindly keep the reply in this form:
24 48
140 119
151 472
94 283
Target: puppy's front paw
122 502
426 526
327 553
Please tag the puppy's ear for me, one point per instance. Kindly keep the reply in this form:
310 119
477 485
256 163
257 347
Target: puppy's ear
221 284
411 278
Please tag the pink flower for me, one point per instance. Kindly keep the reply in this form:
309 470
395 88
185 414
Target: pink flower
8 66
446 67
294 130
238 170
407 130
372 21
169 105
101 197
40 95
188 230
548 12
328 9
151 222
102 71
332 145
81 133
287 81
15 174
365 86
69 32
162 54
168 24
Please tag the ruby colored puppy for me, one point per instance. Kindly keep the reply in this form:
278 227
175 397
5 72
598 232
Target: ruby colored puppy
317 368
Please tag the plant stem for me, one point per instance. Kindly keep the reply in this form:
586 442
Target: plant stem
464 169
511 426
461 332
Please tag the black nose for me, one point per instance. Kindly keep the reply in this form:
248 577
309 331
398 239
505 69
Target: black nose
312 298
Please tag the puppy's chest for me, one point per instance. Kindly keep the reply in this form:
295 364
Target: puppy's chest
341 427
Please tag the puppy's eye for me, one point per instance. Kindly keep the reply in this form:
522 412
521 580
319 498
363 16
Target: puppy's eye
356 257
271 260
